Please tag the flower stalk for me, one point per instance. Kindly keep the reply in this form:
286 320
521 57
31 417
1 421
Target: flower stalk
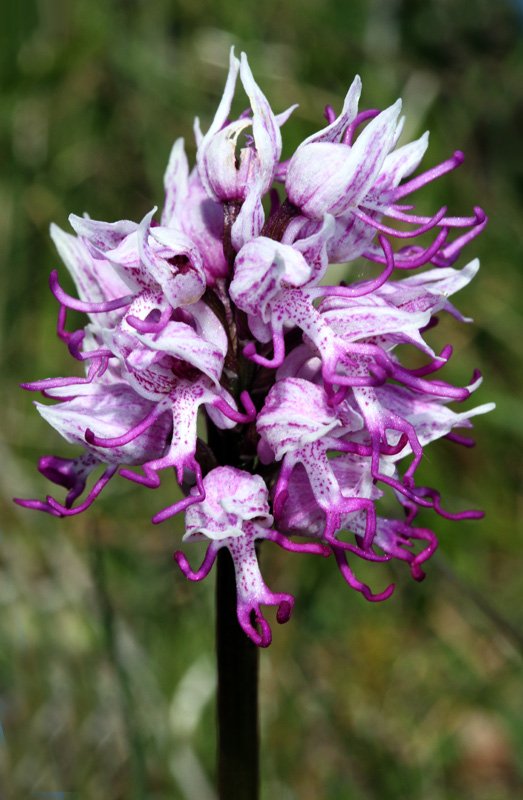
237 694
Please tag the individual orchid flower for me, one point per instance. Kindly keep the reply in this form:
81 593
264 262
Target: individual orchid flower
328 176
301 514
297 426
274 284
108 411
129 287
225 174
235 514
398 417
396 315
162 261
359 182
236 174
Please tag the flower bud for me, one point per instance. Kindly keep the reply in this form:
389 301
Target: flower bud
228 168
329 177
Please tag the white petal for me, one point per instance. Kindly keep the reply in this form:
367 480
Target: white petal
110 412
333 132
220 117
181 341
102 235
232 496
402 162
175 182
295 413
249 221
265 128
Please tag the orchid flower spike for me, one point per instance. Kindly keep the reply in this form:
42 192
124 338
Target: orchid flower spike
220 349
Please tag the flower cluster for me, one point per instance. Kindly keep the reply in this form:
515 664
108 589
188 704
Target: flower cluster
225 309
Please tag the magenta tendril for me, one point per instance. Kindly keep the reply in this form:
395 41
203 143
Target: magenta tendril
427 177
78 305
144 326
363 116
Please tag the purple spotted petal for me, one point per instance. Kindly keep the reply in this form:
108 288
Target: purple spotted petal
181 341
232 497
295 412
102 236
261 269
363 321
109 412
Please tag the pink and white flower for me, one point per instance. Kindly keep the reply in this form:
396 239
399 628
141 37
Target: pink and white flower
235 514
219 346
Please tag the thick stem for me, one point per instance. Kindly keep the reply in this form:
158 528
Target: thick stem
237 708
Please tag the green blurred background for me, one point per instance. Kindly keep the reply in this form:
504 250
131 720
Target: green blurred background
106 653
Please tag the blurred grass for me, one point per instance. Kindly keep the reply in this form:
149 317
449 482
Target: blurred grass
106 671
